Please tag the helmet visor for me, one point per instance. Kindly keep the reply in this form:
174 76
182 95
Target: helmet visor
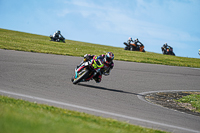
108 59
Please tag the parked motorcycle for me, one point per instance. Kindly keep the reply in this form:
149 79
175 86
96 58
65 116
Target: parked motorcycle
167 50
60 39
86 71
133 47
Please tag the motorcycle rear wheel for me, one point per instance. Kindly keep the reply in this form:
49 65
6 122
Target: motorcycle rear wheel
126 48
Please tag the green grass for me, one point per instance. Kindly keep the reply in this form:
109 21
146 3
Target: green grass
14 40
193 99
19 116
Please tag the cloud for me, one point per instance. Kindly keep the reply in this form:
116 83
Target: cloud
145 19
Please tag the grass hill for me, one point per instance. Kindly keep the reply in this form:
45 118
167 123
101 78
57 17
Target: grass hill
14 40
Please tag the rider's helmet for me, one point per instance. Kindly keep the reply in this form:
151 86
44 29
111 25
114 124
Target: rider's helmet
130 38
108 58
58 32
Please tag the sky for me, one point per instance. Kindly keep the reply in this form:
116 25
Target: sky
110 22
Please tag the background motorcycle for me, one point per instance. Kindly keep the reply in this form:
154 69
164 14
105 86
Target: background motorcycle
168 51
60 39
133 47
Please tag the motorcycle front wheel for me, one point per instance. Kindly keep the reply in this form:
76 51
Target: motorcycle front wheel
126 48
132 49
81 76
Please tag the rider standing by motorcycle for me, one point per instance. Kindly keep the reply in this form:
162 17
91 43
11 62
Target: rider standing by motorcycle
136 41
106 60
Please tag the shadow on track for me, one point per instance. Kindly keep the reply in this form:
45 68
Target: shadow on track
103 88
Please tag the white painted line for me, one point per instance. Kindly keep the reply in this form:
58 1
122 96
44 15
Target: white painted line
99 111
196 68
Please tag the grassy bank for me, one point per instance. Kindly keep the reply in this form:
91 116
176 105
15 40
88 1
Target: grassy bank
14 40
19 116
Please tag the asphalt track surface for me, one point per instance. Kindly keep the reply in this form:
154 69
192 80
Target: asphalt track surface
45 78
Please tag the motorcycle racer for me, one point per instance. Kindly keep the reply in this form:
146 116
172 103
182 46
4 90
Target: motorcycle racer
136 41
168 50
57 36
129 40
106 64
164 48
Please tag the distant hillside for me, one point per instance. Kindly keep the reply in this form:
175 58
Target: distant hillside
14 40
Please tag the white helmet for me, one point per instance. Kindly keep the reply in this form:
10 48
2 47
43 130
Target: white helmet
58 32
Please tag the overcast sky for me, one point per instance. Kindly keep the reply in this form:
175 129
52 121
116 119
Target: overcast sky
110 22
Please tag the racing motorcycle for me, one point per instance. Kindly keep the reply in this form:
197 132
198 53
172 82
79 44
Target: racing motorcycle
87 70
168 50
60 39
133 47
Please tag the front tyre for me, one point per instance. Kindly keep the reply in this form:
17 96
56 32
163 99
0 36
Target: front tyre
132 48
72 79
81 76
126 48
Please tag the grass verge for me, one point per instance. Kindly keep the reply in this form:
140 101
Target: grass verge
14 40
191 101
22 116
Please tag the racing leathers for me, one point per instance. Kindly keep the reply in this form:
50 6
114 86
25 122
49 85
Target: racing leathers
136 41
129 41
